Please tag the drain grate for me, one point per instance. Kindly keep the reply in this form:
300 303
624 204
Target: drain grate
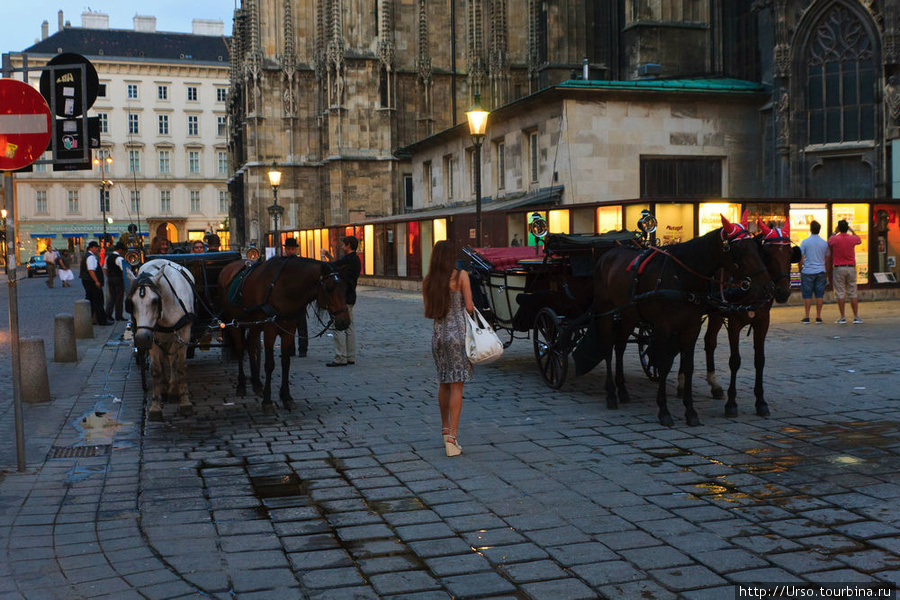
79 451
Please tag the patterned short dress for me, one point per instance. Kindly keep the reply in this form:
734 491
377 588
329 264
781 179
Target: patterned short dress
448 346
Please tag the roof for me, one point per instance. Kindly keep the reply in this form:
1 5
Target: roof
712 84
126 43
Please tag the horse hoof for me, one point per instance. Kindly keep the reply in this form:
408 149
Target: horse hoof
718 393
268 408
666 420
240 390
155 415
185 410
762 411
731 411
693 421
612 404
288 404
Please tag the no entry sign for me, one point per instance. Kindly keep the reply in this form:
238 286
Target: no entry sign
24 125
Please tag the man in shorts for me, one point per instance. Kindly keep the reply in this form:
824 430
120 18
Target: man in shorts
843 256
812 271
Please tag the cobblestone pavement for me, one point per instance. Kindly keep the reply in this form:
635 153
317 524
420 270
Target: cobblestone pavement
555 497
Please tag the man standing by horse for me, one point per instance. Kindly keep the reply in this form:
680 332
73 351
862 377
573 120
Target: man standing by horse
291 247
348 267
91 275
115 282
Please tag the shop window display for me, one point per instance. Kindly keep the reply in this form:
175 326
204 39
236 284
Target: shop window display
886 242
857 215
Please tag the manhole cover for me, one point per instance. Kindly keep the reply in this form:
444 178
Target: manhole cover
79 451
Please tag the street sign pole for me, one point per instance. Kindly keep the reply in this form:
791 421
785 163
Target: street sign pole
14 322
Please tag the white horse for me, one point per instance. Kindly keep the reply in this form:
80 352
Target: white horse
161 303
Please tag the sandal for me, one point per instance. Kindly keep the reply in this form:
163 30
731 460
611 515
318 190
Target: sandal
451 446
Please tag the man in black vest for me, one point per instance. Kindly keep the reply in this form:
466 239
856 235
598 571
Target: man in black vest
92 279
115 282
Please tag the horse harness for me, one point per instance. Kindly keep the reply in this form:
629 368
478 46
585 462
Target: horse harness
145 281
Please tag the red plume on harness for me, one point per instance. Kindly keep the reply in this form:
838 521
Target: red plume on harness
774 235
733 231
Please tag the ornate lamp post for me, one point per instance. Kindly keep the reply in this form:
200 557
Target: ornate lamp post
105 184
275 210
477 118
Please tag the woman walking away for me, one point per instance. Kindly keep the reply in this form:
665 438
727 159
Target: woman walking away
447 294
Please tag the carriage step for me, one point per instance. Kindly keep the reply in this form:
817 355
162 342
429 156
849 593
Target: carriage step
79 451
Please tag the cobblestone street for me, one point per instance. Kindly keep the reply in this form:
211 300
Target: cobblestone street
554 497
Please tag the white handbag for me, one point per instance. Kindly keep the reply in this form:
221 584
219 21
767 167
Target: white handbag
482 344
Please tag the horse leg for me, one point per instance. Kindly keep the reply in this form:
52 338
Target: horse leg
760 329
236 334
269 341
688 342
287 350
179 380
664 359
253 355
156 374
734 364
621 342
605 330
710 343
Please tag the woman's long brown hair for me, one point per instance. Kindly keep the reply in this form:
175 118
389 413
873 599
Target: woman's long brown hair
436 286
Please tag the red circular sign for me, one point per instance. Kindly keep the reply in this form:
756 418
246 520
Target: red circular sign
25 125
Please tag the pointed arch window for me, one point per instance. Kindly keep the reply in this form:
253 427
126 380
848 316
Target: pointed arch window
840 80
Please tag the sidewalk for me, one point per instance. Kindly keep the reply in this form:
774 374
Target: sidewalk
555 497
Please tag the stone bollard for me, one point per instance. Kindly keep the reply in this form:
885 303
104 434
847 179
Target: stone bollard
64 347
84 328
35 384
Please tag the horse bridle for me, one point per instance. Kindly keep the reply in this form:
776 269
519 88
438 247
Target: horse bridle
145 281
334 276
780 240
739 234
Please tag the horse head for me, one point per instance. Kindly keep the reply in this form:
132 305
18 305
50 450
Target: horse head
144 302
332 296
778 254
742 257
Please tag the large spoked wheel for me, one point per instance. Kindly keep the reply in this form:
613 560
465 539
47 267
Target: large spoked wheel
551 356
644 342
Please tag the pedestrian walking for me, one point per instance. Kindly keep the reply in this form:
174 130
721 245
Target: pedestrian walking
291 248
115 283
843 258
91 275
51 259
813 277
348 267
447 293
65 269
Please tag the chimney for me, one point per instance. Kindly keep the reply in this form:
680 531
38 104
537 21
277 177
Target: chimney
145 24
214 27
45 30
60 19
94 20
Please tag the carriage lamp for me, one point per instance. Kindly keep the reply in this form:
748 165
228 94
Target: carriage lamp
477 118
275 211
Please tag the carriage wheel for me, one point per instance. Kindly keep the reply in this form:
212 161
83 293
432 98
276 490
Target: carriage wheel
551 356
644 341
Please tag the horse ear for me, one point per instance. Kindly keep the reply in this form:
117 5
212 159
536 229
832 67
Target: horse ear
762 227
745 218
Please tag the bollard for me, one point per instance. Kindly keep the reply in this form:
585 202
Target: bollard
33 361
84 328
64 347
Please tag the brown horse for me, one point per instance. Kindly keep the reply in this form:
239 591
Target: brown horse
273 296
778 254
667 289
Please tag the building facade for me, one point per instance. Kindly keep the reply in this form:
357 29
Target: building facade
162 106
788 108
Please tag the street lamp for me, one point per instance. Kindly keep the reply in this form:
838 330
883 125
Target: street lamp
275 210
105 184
3 214
477 118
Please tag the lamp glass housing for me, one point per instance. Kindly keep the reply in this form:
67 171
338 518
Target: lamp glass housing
477 118
274 178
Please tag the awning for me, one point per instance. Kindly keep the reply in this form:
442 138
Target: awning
110 234
43 235
70 235
550 195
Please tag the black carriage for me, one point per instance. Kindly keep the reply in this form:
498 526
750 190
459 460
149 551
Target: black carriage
547 294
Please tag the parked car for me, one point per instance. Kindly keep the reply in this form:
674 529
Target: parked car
36 266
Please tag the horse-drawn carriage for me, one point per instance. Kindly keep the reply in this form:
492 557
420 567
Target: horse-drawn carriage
180 302
591 295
